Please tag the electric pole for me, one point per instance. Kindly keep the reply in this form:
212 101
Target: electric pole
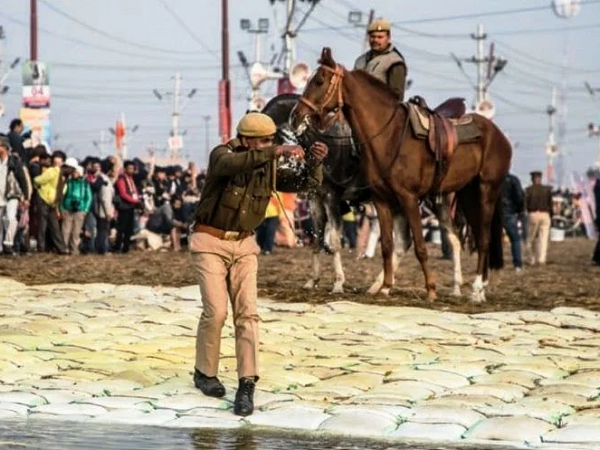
33 31
594 129
483 104
124 148
100 145
1 77
175 141
289 35
207 137
480 60
356 18
224 84
551 148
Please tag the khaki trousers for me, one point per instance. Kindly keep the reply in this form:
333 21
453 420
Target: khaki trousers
227 271
71 230
538 234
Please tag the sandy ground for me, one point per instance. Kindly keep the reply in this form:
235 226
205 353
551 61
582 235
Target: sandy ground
569 278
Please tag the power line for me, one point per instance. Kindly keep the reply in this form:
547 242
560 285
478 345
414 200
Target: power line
189 30
487 13
540 61
465 16
82 42
68 16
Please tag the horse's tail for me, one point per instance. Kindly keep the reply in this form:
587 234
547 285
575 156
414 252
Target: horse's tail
496 259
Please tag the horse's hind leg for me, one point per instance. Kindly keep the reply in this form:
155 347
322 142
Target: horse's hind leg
487 202
318 218
401 244
445 219
336 224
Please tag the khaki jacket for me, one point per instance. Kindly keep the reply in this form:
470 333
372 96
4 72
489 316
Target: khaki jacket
239 184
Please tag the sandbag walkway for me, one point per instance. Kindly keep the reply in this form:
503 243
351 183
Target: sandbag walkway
124 354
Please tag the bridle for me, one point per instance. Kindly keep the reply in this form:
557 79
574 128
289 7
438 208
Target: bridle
333 90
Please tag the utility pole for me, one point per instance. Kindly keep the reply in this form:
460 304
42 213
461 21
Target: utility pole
224 84
356 18
551 148
594 129
289 35
207 137
120 133
100 145
176 141
124 148
483 104
480 59
371 19
1 77
33 31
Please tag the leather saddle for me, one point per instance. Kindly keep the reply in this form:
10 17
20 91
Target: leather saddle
441 124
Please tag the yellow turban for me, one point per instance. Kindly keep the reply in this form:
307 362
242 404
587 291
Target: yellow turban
379 25
255 124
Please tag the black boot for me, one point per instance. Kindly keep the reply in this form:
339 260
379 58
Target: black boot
210 386
244 398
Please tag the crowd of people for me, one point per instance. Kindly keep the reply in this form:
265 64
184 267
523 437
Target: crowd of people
50 202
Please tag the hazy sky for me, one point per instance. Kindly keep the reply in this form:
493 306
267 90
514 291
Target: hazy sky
109 54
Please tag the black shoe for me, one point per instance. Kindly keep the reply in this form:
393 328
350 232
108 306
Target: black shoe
210 386
244 398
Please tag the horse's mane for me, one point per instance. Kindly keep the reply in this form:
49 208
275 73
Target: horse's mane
376 83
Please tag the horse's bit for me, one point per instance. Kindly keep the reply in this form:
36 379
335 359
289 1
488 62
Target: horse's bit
334 88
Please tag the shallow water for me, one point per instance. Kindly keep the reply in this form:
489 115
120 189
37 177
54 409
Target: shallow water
55 435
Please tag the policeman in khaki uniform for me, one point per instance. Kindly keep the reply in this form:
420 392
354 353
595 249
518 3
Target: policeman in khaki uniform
239 183
384 61
538 202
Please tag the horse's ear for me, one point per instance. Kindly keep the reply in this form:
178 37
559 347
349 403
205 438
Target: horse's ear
326 58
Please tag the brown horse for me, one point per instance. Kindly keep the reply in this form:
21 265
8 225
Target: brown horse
402 169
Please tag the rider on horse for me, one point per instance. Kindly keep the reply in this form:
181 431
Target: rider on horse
383 60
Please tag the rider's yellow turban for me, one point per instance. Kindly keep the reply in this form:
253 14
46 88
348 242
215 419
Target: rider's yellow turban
379 25
255 124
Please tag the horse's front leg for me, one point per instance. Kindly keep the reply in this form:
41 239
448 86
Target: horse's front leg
401 244
384 215
411 206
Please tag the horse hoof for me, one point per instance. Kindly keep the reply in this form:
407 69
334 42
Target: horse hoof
431 296
478 297
385 291
309 285
456 291
374 289
338 288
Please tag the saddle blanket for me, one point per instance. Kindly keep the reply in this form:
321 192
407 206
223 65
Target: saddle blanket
466 128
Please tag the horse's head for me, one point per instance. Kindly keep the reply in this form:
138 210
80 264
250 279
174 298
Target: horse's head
321 97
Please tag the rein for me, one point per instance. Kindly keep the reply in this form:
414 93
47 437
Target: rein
335 90
335 87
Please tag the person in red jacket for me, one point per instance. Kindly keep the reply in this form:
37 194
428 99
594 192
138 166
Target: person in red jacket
126 201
